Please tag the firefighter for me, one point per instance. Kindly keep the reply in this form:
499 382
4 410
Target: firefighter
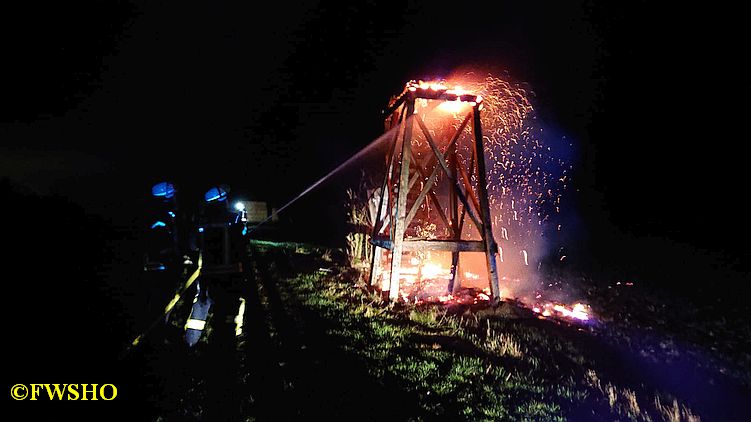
221 228
161 245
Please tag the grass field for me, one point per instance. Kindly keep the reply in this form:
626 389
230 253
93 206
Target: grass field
319 345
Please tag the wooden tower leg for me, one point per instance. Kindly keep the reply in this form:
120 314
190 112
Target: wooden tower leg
454 283
401 205
491 247
376 262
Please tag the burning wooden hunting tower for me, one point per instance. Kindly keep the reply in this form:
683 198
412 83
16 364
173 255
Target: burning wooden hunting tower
434 193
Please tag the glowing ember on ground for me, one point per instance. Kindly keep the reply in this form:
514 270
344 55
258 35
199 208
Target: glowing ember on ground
462 297
578 311
427 281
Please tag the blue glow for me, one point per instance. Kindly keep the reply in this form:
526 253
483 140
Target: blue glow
158 224
215 194
154 267
200 230
240 206
171 214
163 189
245 230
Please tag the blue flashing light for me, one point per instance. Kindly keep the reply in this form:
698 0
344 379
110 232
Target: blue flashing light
215 194
156 266
171 214
158 224
163 189
200 230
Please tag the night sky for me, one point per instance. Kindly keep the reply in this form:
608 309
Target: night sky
101 99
